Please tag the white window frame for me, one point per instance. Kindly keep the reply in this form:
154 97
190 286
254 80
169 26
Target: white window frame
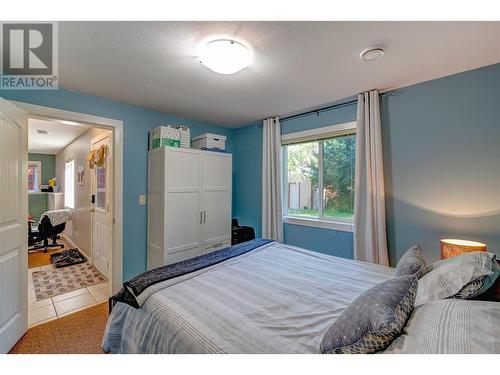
38 165
319 134
66 184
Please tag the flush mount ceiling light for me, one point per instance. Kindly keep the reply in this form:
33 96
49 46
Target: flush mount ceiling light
42 131
372 53
65 122
225 56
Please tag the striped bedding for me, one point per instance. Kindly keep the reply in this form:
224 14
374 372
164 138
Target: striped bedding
274 299
451 326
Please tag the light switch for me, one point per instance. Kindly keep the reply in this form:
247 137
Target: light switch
142 200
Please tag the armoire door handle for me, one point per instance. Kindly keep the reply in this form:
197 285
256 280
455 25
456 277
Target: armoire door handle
204 216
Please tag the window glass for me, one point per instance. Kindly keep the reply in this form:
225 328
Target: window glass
303 188
338 176
319 180
101 188
69 184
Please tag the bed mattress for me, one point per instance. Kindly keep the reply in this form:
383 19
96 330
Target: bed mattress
274 299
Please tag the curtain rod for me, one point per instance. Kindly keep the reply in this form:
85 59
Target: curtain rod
318 111
326 109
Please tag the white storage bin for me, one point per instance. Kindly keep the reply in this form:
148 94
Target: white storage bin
209 141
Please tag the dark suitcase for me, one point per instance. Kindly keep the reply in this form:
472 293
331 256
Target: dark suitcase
241 233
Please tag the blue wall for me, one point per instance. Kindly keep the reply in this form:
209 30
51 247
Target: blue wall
247 176
327 241
334 116
137 121
441 142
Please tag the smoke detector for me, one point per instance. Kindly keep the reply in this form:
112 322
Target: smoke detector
372 53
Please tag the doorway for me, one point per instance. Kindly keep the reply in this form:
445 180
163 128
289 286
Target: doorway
116 271
69 258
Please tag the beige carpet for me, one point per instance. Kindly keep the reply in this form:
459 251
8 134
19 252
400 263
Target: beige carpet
78 333
39 258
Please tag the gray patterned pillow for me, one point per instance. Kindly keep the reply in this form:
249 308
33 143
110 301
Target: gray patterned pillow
374 319
412 263
472 289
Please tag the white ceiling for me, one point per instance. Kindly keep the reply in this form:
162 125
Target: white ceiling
297 65
59 135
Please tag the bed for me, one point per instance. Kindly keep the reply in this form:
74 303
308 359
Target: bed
273 299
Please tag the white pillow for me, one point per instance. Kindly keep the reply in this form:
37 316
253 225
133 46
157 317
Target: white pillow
446 278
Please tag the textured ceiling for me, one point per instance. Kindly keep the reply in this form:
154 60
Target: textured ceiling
58 135
296 65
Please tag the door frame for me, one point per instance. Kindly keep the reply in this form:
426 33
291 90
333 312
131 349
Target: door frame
116 126
110 168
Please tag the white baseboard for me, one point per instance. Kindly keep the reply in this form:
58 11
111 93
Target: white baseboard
67 239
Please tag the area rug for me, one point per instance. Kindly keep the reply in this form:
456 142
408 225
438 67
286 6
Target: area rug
78 333
63 280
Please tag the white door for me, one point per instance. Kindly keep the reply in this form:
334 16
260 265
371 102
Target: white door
13 224
101 216
216 220
182 204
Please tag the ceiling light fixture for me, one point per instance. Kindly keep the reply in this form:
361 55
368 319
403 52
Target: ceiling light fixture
372 53
65 122
42 131
225 56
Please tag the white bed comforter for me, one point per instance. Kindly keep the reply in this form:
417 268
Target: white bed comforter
275 299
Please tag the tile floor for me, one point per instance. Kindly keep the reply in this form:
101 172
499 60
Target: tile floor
64 304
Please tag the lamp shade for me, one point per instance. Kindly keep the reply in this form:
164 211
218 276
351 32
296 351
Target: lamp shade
451 247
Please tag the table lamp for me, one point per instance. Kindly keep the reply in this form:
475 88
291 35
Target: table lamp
451 247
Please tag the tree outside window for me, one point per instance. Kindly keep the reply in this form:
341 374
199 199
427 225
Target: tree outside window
320 178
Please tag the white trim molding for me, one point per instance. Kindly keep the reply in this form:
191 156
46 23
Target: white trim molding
37 111
318 223
319 133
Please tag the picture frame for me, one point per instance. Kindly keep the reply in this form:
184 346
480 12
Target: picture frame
80 173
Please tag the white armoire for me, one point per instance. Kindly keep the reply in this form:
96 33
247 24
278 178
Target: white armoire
189 204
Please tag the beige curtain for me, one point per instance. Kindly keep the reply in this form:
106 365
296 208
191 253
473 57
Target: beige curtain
370 240
272 218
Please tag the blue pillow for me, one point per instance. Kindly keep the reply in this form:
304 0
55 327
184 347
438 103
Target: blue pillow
374 319
411 263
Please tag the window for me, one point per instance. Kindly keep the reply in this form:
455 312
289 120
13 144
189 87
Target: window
69 184
101 187
319 175
34 176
